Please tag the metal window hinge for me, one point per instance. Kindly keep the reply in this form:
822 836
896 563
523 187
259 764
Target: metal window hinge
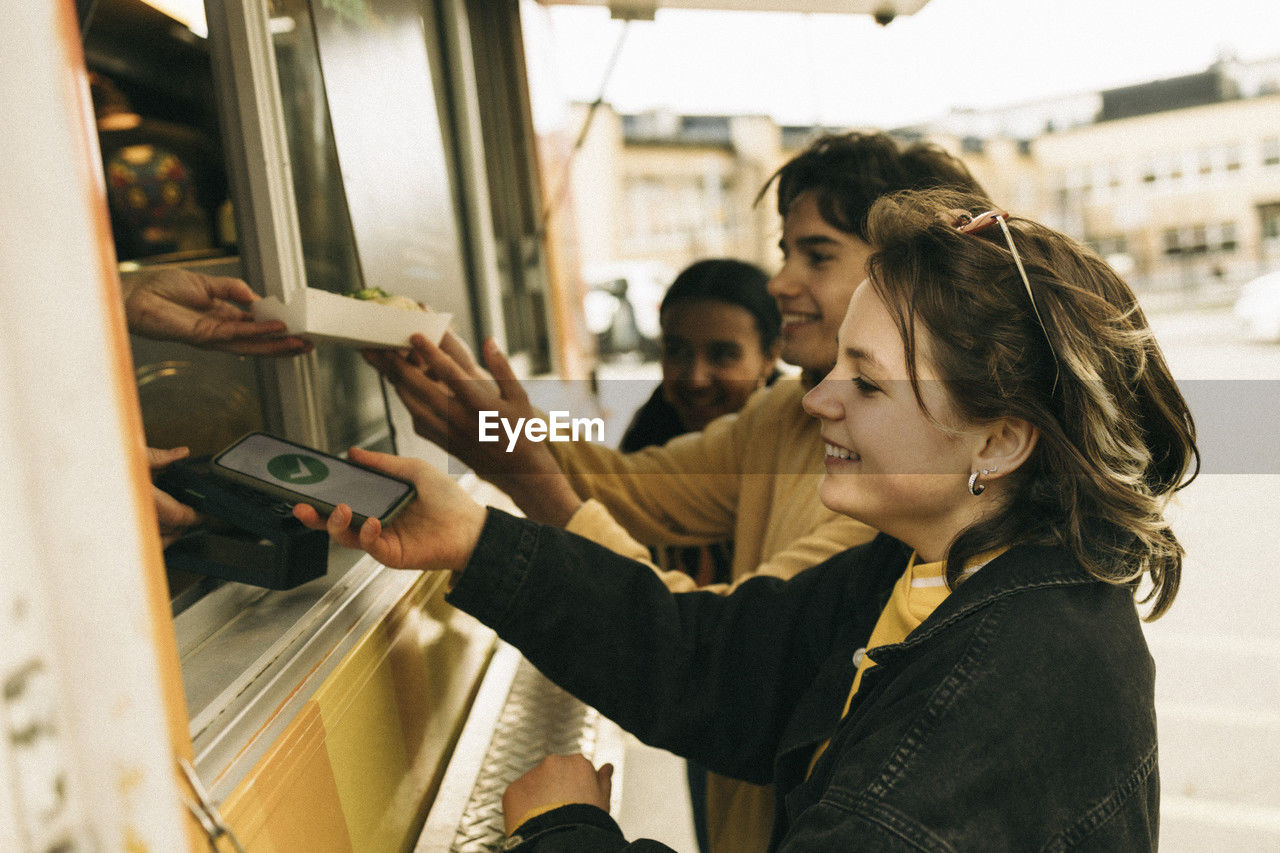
206 811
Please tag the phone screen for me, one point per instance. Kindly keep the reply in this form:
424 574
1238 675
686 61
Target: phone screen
316 475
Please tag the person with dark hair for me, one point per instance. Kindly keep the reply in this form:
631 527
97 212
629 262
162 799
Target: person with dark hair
719 345
974 678
825 196
750 477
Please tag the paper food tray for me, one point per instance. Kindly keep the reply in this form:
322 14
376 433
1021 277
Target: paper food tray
324 316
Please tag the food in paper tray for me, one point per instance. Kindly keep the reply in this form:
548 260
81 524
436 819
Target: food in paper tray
361 321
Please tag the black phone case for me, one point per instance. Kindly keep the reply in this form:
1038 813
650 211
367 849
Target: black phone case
281 493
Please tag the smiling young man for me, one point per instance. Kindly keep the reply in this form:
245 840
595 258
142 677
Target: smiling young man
821 267
750 477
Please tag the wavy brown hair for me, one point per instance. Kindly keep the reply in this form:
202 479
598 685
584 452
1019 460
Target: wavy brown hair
1116 436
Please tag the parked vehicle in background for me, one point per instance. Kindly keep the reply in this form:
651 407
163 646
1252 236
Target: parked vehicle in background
1259 308
621 306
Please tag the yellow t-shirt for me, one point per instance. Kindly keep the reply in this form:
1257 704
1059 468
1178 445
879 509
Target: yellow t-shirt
922 587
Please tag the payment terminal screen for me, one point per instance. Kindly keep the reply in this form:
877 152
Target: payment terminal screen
324 478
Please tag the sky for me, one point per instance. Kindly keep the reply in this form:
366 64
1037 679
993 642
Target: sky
847 70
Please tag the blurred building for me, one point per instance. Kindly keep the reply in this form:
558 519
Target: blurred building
664 188
1176 182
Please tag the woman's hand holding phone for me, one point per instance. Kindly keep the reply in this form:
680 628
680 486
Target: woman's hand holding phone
437 531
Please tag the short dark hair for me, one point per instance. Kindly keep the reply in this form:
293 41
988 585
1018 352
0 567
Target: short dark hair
849 171
733 282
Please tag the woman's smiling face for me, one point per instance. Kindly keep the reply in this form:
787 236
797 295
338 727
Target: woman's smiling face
888 463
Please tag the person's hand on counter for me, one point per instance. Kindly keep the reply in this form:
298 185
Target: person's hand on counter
437 530
445 390
559 780
174 516
204 311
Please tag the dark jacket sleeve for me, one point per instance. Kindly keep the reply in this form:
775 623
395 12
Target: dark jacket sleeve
576 828
708 677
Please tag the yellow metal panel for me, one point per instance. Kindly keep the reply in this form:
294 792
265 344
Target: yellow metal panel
437 656
359 766
290 803
249 813
365 744
393 712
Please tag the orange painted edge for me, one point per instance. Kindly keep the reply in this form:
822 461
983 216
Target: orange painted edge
121 374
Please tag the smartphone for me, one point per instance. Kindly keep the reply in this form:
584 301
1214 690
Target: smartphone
293 472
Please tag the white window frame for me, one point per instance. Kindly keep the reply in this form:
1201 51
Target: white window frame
252 657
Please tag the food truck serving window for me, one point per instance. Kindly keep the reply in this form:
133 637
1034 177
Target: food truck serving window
171 204
284 149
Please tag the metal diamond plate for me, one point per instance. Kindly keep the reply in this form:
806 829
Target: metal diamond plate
538 719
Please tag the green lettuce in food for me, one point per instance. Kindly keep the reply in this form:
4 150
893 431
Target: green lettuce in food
380 296
368 294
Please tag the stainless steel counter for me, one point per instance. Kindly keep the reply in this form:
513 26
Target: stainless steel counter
518 718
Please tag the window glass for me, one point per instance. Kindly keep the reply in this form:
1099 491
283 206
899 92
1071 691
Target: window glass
1269 220
150 79
1231 155
1227 236
515 205
171 204
350 398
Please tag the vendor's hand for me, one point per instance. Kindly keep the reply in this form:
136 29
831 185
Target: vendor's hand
174 516
559 780
444 390
437 530
204 311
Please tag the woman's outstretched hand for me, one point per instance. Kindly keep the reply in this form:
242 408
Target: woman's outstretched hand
437 530
445 390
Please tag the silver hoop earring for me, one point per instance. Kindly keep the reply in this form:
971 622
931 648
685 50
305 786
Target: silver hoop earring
976 488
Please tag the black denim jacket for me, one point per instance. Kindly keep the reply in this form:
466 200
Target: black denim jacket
1019 716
